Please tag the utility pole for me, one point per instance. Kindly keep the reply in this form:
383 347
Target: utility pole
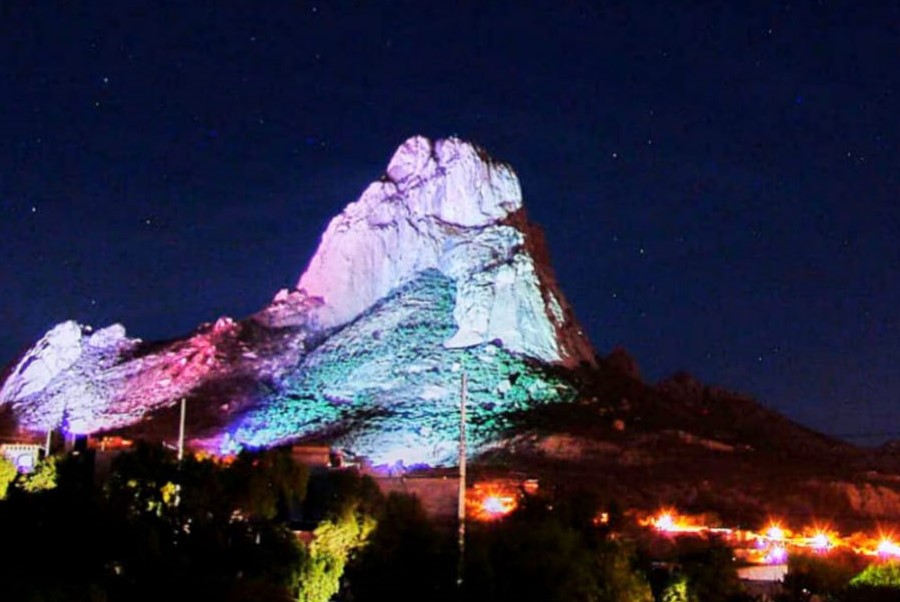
181 430
180 450
47 443
461 509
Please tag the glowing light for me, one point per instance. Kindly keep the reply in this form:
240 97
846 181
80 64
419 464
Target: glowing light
492 501
773 543
668 521
820 542
664 522
777 555
775 533
495 504
887 547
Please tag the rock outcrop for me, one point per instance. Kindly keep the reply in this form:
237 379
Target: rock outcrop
619 359
433 271
447 206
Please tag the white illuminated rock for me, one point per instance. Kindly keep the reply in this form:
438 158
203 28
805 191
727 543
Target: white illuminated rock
55 352
446 206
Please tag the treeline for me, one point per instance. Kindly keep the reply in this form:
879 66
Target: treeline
156 529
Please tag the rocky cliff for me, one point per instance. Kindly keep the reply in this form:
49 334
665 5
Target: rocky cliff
433 271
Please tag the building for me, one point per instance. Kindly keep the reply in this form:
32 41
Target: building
24 456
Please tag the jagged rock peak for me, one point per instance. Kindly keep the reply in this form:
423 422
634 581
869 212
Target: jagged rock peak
682 386
56 352
446 205
619 359
435 266
685 387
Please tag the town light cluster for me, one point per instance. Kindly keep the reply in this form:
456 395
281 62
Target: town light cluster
774 542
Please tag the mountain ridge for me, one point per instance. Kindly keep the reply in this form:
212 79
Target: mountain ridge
367 353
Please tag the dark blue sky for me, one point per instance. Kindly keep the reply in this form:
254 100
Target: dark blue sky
718 181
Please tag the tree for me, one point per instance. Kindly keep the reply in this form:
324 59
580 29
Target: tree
334 540
268 483
530 555
879 574
827 576
678 590
330 494
42 479
8 474
343 506
712 574
62 520
406 558
193 526
137 479
157 527
619 580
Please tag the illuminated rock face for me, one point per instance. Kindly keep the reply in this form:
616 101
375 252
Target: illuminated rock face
54 353
69 362
447 206
432 272
389 380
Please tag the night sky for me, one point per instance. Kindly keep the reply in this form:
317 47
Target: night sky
719 182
